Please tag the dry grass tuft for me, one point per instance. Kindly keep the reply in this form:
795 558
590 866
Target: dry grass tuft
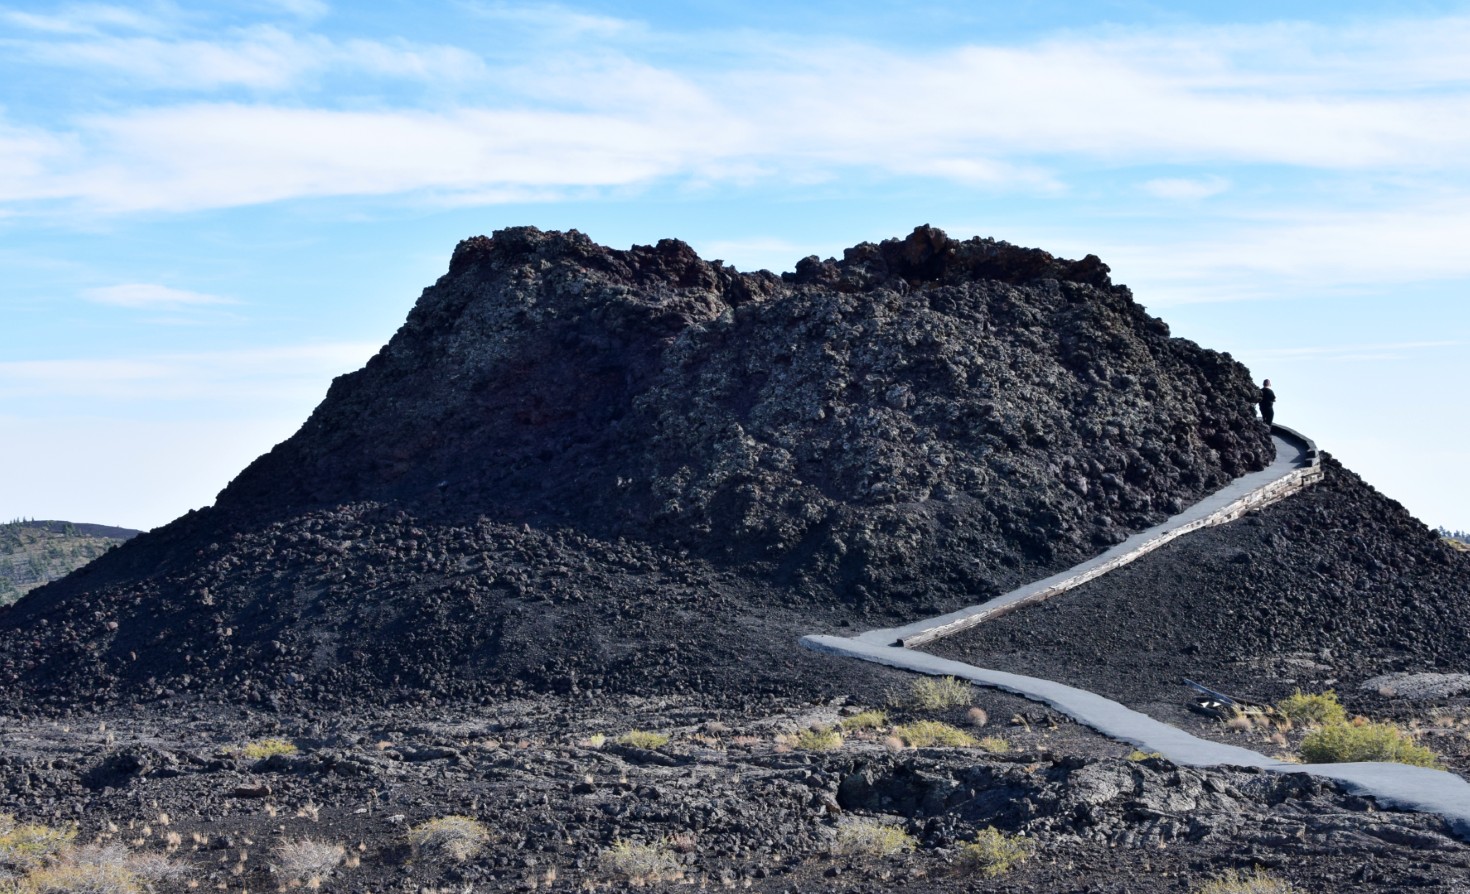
821 738
865 720
932 733
939 693
457 837
1257 881
309 860
641 863
261 749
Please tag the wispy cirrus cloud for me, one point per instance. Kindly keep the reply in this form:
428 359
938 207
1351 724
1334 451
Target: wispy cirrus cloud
755 109
1186 188
261 57
150 296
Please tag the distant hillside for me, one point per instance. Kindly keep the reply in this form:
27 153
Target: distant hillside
33 553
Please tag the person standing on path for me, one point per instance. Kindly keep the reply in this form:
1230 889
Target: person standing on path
1268 402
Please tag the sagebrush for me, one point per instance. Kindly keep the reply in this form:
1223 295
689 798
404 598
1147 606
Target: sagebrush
457 837
1363 740
993 852
1320 708
641 862
864 837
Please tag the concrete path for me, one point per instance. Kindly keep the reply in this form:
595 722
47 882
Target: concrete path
1393 785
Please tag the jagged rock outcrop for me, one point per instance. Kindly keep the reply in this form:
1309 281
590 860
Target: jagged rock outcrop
922 423
878 421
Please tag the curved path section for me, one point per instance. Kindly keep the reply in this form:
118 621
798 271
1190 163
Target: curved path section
1396 785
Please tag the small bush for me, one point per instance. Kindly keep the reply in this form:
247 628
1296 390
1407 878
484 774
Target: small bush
97 869
871 838
977 716
309 860
643 739
1323 709
458 837
818 739
928 733
261 749
865 720
82 878
1365 741
1136 755
994 853
24 846
641 863
994 745
1257 881
938 693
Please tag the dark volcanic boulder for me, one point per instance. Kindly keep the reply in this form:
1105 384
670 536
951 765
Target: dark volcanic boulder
610 433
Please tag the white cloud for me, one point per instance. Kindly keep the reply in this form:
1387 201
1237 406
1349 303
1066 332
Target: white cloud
81 18
996 117
1314 250
152 297
302 9
262 57
1186 188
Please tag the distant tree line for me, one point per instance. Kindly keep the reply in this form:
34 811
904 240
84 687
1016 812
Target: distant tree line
1462 536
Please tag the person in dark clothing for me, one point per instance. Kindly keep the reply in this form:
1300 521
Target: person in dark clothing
1268 402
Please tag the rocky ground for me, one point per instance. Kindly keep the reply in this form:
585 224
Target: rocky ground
730 802
1331 589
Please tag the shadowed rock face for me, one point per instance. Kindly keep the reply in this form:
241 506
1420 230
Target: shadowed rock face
924 422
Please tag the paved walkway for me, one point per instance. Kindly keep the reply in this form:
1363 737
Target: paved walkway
1394 785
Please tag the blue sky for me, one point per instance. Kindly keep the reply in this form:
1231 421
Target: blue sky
208 211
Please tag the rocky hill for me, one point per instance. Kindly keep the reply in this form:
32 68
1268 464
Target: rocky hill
33 553
575 466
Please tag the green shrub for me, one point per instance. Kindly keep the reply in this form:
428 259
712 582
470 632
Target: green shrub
819 739
938 693
865 720
264 748
1136 755
994 853
1320 710
1365 741
641 863
1257 881
927 733
24 846
871 838
639 738
458 837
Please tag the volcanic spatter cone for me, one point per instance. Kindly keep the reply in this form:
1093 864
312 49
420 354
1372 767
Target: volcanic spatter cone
918 425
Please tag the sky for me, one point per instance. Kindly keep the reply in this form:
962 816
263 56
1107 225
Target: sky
208 211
